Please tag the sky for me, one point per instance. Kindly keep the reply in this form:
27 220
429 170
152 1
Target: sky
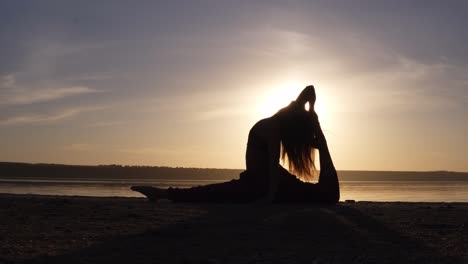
180 83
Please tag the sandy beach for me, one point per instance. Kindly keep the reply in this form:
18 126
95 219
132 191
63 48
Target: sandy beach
58 229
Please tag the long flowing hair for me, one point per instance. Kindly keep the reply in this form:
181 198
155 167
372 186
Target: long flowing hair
298 141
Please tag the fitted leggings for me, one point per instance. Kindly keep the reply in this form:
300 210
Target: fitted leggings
247 189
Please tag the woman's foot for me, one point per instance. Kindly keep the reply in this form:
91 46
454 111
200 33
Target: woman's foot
152 193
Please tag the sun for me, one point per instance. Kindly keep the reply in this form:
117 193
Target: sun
281 96
276 99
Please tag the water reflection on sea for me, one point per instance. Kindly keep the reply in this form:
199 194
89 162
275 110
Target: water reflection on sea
408 191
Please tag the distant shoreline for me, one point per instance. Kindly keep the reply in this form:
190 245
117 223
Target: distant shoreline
8 163
144 199
10 170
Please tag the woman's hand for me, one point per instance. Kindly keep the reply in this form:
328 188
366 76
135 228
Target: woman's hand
307 96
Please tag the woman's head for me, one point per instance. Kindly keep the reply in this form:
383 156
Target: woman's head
298 139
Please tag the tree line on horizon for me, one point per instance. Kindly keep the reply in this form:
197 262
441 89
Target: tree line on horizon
114 171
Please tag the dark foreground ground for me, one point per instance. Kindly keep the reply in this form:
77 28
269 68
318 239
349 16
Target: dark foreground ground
44 229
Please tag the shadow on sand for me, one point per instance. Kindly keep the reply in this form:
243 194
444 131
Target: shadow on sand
262 234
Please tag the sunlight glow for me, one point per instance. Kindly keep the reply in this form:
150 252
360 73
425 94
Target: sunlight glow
321 107
277 98
282 96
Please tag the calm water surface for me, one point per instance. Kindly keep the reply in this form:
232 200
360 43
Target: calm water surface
410 191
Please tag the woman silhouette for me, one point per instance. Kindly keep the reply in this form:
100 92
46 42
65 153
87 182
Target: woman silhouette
292 134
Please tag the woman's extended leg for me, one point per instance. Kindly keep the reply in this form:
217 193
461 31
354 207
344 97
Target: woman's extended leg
232 191
152 193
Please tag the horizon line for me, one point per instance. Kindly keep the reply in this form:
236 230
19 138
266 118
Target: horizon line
212 168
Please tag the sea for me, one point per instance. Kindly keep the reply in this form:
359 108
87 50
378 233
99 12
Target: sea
379 191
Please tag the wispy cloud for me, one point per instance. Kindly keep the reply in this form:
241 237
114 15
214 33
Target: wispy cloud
357 66
107 124
80 147
92 77
13 94
26 96
47 118
409 85
219 113
145 150
8 81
